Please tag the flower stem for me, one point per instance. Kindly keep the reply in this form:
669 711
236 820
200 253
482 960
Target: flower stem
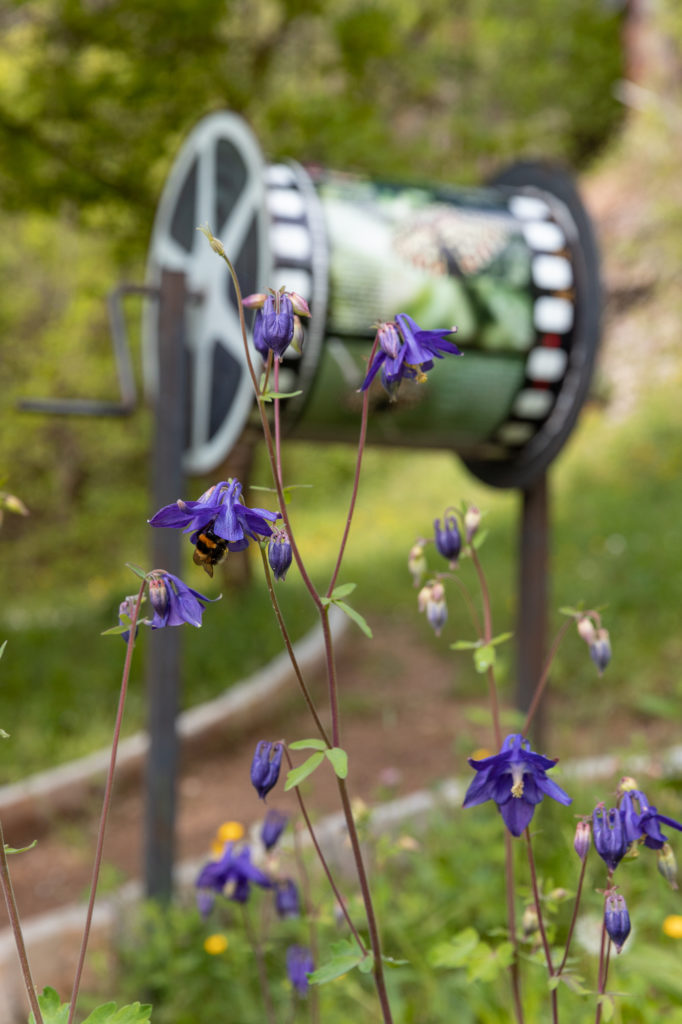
325 866
576 907
511 920
375 943
356 482
542 682
541 923
278 427
290 650
15 924
105 804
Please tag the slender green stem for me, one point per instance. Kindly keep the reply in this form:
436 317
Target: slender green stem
356 481
105 804
604 957
15 924
542 682
260 966
325 866
487 637
574 918
511 920
290 650
469 603
375 942
541 923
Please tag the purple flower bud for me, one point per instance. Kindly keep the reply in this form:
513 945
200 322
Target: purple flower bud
389 339
299 966
265 767
279 554
581 842
600 650
287 901
272 828
447 538
616 919
431 599
277 322
610 841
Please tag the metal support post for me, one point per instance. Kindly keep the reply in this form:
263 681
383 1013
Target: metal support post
163 661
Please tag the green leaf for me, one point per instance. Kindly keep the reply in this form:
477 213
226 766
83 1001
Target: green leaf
268 396
339 760
21 849
355 616
571 612
134 1013
4 735
391 961
484 658
136 569
2 648
346 956
52 1009
117 630
501 638
465 645
308 745
342 591
607 1006
366 964
297 775
479 539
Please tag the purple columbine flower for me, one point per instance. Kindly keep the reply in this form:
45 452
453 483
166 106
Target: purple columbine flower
616 919
280 554
516 780
299 966
287 900
414 355
610 840
174 602
640 820
265 767
221 510
274 824
447 538
233 870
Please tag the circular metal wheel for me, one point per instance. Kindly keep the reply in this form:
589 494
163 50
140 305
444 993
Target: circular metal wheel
216 180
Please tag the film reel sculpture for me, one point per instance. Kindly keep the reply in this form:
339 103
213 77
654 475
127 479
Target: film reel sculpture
514 265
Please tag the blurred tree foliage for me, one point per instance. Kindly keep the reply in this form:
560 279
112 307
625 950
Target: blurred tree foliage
96 95
95 99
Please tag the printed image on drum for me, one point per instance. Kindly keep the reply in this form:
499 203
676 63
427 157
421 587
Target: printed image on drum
217 179
567 303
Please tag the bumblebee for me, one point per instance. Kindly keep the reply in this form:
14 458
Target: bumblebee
209 550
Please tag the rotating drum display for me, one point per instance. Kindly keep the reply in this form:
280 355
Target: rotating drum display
512 265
